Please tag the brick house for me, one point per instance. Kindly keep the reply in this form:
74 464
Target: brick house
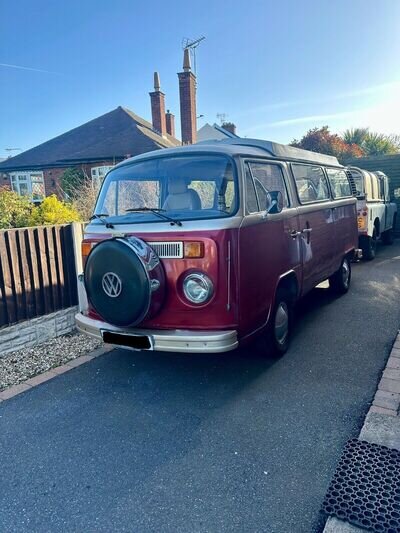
94 147
99 144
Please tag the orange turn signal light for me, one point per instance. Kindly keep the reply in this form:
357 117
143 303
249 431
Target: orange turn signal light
86 248
193 249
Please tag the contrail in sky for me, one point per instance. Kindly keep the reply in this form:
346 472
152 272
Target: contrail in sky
20 67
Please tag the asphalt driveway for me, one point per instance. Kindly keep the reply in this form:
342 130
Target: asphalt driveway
184 443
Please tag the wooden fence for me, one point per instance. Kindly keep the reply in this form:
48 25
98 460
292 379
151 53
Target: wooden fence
37 272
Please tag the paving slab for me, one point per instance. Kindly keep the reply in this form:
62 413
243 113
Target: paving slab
382 429
334 525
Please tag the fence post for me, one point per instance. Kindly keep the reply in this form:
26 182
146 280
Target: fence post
77 234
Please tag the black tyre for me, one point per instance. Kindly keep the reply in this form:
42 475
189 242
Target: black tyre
388 236
339 282
369 246
280 324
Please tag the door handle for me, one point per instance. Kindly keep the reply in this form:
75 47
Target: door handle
294 233
307 230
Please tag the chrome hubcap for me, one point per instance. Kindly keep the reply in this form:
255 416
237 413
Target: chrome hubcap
345 273
282 323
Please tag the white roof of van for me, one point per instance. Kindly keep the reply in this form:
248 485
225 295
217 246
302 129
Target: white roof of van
243 147
285 151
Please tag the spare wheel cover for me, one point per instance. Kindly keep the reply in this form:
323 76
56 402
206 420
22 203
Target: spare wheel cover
124 281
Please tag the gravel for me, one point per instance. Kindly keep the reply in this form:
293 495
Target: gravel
18 366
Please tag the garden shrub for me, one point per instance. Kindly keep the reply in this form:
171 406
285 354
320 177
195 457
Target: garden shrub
53 211
15 210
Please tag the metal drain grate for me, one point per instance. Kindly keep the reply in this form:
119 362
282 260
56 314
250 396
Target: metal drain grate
365 489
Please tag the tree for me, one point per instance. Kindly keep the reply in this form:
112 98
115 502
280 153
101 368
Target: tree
379 144
372 143
355 136
84 198
15 210
323 141
72 179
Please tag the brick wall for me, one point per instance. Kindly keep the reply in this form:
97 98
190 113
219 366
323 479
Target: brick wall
52 176
158 111
187 93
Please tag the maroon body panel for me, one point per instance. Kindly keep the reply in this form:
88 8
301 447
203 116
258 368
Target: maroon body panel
267 250
177 312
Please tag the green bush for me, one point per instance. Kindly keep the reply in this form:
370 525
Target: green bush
15 210
53 211
71 180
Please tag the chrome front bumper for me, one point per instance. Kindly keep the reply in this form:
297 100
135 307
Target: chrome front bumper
177 340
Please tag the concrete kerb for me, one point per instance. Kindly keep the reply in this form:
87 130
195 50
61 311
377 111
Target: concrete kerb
14 390
382 423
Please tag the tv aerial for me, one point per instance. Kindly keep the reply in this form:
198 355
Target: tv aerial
191 45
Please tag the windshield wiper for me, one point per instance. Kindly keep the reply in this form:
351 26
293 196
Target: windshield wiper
156 211
100 217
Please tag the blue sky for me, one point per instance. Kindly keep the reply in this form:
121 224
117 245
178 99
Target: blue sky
274 68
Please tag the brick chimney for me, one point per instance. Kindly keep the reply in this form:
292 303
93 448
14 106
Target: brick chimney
158 107
170 123
187 94
229 126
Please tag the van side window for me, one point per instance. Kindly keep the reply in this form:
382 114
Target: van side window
268 177
339 181
251 198
311 183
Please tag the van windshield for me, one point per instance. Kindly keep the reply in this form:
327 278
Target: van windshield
181 187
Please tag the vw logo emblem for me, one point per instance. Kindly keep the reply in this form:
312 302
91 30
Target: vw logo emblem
112 284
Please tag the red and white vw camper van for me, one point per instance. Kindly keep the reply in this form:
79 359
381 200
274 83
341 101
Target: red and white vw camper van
203 247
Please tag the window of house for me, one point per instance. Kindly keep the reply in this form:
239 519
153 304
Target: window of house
99 173
28 183
339 181
311 183
268 177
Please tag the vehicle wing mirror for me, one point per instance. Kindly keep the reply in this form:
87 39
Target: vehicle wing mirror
274 202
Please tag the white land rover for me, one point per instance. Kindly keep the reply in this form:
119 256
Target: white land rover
376 214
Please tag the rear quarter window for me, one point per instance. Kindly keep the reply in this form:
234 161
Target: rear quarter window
339 181
311 183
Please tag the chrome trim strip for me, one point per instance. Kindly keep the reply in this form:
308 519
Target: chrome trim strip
228 303
178 340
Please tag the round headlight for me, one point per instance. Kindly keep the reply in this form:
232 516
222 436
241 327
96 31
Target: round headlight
197 287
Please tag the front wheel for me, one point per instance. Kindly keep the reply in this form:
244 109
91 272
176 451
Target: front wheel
280 323
339 282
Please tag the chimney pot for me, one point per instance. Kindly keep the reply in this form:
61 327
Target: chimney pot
158 107
186 60
170 123
156 81
229 126
187 95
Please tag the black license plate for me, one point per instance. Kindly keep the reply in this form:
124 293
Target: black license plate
137 342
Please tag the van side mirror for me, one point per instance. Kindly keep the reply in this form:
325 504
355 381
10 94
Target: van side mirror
274 202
